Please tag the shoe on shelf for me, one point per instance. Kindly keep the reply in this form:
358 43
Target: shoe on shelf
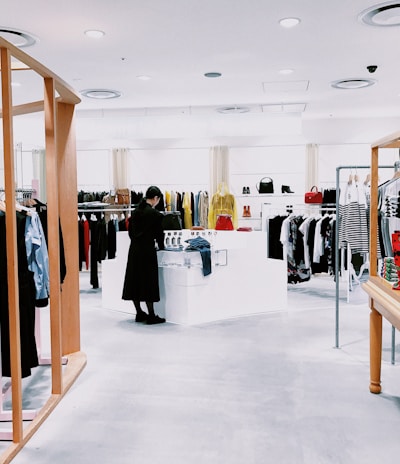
155 320
286 189
141 317
248 190
244 191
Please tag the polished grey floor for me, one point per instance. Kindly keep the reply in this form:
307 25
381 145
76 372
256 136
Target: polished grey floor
268 388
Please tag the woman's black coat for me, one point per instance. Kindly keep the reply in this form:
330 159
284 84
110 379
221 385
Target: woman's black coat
141 275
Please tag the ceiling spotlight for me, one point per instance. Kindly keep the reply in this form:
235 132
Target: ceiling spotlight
213 74
17 37
383 15
233 110
289 22
286 72
100 94
143 77
95 34
349 84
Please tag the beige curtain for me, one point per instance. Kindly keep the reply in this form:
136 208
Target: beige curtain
120 168
311 177
39 174
219 167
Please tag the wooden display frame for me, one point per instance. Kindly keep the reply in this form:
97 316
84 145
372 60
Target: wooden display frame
383 300
61 185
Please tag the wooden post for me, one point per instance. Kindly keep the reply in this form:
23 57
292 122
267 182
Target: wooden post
375 353
67 184
53 232
12 257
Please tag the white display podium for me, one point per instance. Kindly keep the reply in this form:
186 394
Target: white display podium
243 280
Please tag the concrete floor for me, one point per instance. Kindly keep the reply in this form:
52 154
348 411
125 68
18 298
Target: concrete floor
268 388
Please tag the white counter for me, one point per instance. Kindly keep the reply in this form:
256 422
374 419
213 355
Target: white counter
249 283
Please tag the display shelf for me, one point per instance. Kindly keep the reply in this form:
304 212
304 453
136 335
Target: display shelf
383 300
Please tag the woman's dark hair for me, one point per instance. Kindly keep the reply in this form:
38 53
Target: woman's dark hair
152 192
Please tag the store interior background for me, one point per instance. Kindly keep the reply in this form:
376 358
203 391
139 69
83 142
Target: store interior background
172 151
169 146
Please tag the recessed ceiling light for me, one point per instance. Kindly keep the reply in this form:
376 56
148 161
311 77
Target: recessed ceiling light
289 22
233 109
100 94
349 84
95 34
384 15
212 74
17 37
286 72
143 77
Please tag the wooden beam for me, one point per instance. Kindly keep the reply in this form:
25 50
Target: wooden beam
66 92
390 141
76 363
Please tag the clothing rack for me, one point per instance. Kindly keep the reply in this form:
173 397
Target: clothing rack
105 210
338 171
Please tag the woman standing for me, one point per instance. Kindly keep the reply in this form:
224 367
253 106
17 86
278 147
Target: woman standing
141 275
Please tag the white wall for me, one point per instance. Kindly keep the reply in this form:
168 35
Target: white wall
172 151
333 156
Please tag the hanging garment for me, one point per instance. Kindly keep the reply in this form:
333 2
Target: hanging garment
111 239
27 295
187 207
353 225
37 255
222 203
203 209
94 249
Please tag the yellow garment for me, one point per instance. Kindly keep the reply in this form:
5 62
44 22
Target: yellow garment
187 209
222 204
168 200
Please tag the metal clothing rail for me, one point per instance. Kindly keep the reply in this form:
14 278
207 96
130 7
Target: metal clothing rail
338 170
105 210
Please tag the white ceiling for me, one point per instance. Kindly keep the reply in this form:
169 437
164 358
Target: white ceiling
177 41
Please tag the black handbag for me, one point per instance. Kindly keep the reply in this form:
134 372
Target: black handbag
172 221
266 185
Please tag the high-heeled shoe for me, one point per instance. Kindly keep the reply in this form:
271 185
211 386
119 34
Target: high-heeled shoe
286 189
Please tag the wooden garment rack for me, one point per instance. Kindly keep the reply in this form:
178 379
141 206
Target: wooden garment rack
383 300
61 184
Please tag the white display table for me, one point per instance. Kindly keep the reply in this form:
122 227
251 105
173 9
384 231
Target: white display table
243 280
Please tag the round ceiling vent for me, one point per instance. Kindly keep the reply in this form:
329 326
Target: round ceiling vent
233 109
100 94
384 15
212 74
350 84
18 38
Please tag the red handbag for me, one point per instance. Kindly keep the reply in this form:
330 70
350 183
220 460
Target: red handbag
224 222
313 196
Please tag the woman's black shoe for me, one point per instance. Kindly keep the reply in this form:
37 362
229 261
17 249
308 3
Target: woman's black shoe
141 317
155 320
